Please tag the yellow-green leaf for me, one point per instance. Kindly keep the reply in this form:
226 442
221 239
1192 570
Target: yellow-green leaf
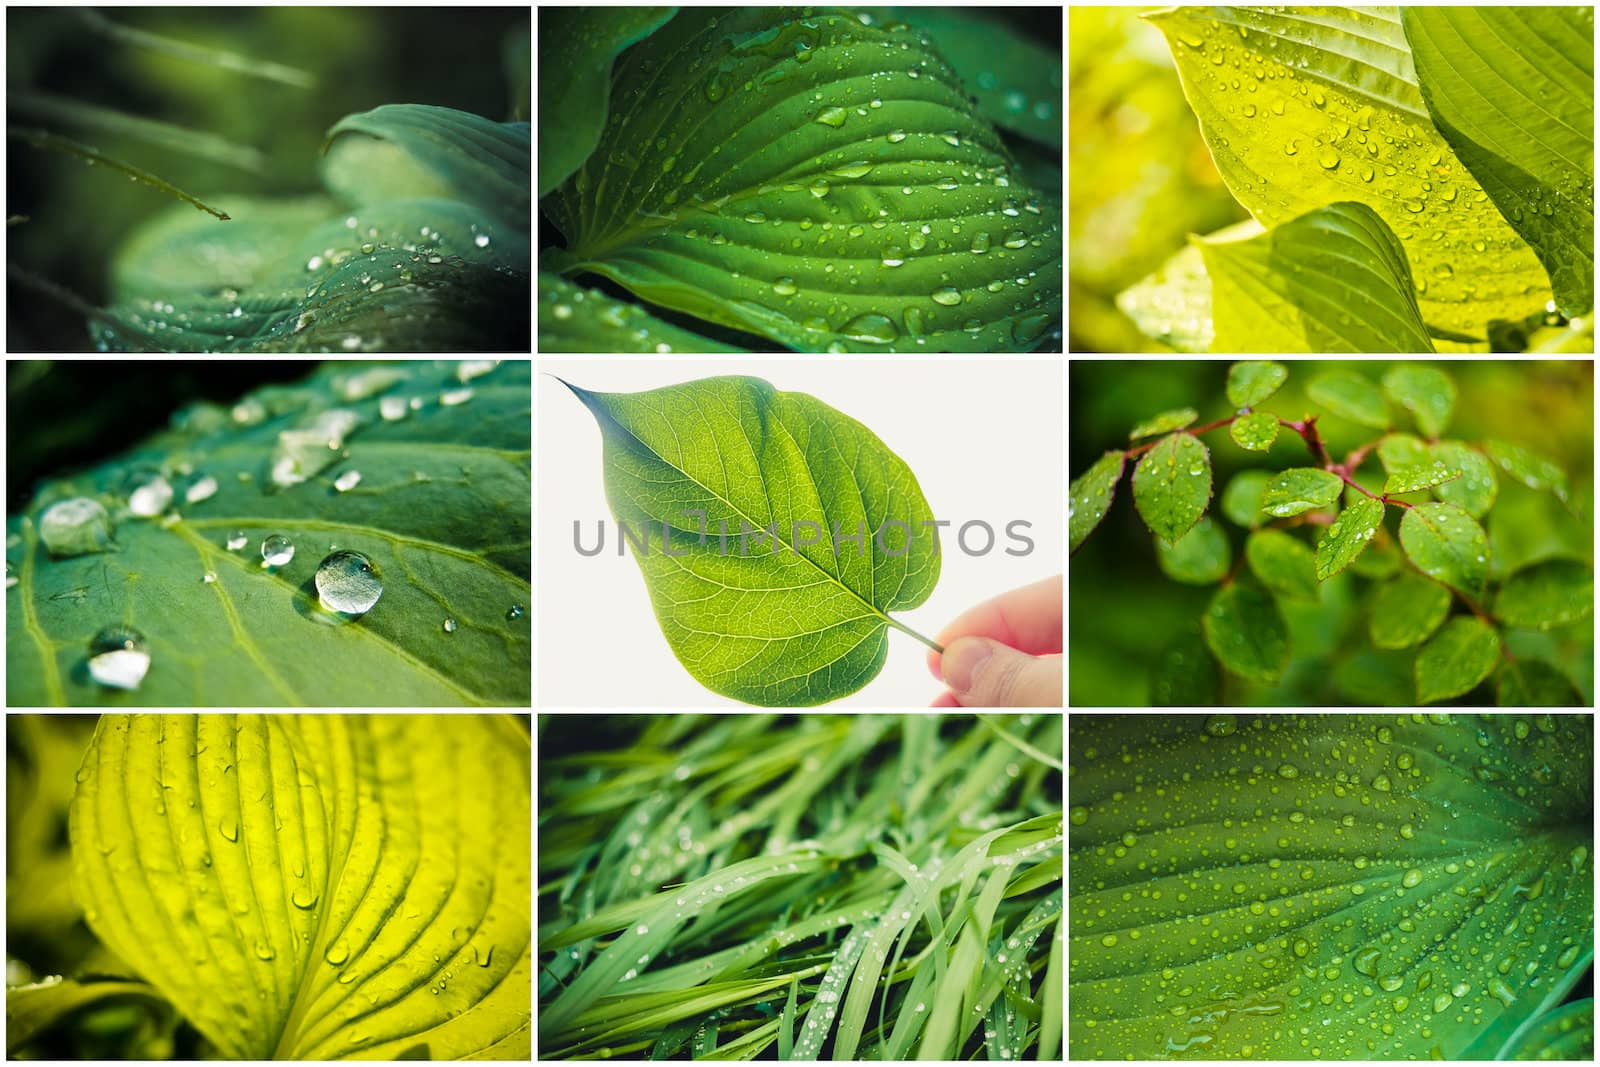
1350 395
1255 431
1551 592
1250 381
1165 422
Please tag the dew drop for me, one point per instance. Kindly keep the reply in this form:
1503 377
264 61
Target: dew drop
831 116
75 527
348 583
515 612
228 827
946 295
276 551
449 625
237 540
150 494
118 657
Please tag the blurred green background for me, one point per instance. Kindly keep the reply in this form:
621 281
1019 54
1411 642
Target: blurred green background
1132 630
473 59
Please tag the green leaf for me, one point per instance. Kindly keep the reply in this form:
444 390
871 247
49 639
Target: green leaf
576 48
827 529
242 839
1429 394
1459 656
1381 678
35 1009
1185 673
1348 537
575 319
1332 280
1241 500
1546 594
1407 610
1172 485
1350 395
1562 1033
1383 561
1475 491
1512 90
1422 476
1283 563
1165 422
1090 495
837 203
1528 467
1250 381
1246 632
1400 451
1255 432
1300 489
1173 305
1533 683
1200 557
436 511
1361 132
1448 545
1458 833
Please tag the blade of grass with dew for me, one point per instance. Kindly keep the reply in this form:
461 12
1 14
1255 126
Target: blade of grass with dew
786 1023
57 143
214 57
1050 998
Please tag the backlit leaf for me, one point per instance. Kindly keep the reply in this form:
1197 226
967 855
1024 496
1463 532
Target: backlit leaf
1422 476
849 199
1446 544
1456 659
1528 467
1407 610
1475 491
1246 632
1090 494
1165 422
1404 872
1284 564
311 906
1350 395
1201 557
1172 485
1250 381
1301 489
36 1008
1551 592
1255 431
1348 536
1429 394
827 529
1533 683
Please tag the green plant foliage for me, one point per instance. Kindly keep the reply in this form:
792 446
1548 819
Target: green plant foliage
813 178
1255 432
36 1008
1370 888
310 906
816 887
575 319
1564 1033
1165 422
440 507
1459 566
780 534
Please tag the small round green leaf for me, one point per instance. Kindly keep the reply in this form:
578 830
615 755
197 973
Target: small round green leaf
1201 557
1459 657
1185 674
1429 394
1422 476
1165 422
1247 633
1348 537
1529 468
1447 544
1241 500
1551 592
1533 683
1090 494
1284 563
1250 381
1300 489
1255 432
1398 451
1475 491
1407 610
1172 485
1350 396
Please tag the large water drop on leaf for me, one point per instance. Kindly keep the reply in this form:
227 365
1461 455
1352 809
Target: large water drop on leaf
348 583
75 527
118 657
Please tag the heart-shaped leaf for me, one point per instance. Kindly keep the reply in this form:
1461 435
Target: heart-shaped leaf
817 181
440 460
320 886
779 534
1325 886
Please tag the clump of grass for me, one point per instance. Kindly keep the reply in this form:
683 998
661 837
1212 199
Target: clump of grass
809 886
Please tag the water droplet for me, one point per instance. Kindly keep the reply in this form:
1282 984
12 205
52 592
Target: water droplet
277 550
347 481
337 953
1288 770
367 248
228 827
1413 206
1109 940
149 494
348 583
831 116
1502 992
449 626
1329 159
1412 878
785 287
1381 783
896 136
304 898
515 612
75 527
1249 111
819 189
894 256
980 242
452 397
264 951
946 295
870 327
118 657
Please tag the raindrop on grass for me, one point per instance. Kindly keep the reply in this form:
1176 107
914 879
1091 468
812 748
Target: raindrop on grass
118 657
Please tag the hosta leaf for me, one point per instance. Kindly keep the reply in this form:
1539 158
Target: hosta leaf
1201 557
1284 564
798 616
575 319
1407 610
1429 394
1562 1033
1390 868
33 1009
1172 485
1173 305
1474 492
1512 90
1528 467
1165 422
1458 657
1446 544
1422 476
435 510
293 902
1350 395
1348 537
1090 494
576 48
1241 501
1300 489
1532 683
1337 116
849 198
1331 280
1551 592
1246 632
1255 431
1250 381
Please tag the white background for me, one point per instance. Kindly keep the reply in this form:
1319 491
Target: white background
984 437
